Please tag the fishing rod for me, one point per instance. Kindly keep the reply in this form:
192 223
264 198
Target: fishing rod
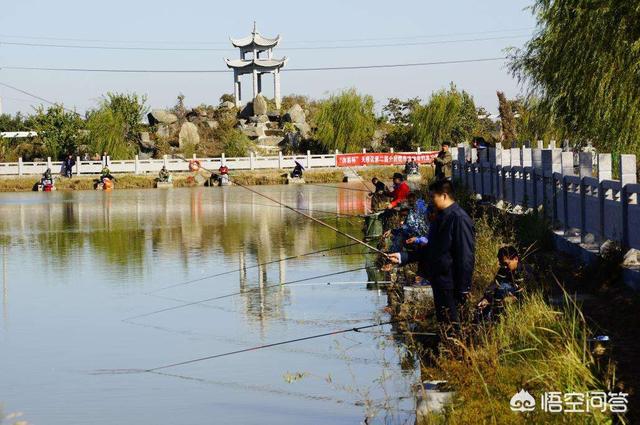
342 215
233 294
188 282
304 214
245 350
339 187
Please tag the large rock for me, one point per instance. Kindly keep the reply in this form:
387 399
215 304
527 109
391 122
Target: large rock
296 115
227 105
304 129
188 135
260 105
247 110
254 131
163 131
213 124
160 116
146 142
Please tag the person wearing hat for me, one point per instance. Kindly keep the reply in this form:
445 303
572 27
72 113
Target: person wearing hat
297 170
400 190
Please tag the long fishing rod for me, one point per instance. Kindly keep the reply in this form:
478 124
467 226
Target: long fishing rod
340 232
342 215
188 282
233 294
245 350
339 187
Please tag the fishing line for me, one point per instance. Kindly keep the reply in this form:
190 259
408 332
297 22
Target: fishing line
353 238
338 187
345 215
233 294
244 350
292 257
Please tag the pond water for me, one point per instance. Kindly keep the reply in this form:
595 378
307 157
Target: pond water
75 264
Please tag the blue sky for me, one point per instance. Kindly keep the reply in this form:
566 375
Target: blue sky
302 24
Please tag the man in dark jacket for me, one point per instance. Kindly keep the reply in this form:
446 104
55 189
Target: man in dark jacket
69 162
449 257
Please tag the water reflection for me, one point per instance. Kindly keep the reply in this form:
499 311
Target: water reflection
126 232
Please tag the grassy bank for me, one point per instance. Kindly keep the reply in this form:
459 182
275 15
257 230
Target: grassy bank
250 178
536 346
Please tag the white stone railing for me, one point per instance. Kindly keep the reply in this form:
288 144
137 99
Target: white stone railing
143 166
575 191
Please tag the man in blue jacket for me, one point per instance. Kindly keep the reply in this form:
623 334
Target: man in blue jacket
449 257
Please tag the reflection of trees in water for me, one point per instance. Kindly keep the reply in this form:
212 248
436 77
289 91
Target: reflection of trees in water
189 224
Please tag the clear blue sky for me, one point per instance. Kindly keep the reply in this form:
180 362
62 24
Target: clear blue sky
208 24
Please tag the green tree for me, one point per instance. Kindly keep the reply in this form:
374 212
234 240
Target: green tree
131 108
449 115
58 130
507 121
107 132
583 64
346 121
115 126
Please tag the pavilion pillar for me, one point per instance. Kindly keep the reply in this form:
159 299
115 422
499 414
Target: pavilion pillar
276 87
255 83
259 83
236 88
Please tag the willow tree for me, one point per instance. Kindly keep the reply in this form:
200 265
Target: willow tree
584 64
448 115
346 121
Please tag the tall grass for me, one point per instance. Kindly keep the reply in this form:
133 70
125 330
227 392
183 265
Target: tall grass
533 347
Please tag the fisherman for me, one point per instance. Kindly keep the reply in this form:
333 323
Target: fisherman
411 167
448 260
105 173
68 164
379 186
164 176
46 177
380 197
508 285
297 171
444 162
400 191
224 175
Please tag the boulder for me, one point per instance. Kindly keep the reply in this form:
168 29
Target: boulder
247 110
213 124
263 118
253 131
188 135
260 105
227 105
304 129
295 114
162 130
160 116
146 142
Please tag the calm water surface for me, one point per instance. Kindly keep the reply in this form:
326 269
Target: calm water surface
74 265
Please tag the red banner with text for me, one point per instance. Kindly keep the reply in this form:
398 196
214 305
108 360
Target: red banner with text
359 159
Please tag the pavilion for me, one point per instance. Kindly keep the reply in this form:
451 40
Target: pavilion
260 61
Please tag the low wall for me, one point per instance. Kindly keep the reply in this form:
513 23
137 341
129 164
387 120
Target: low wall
574 191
